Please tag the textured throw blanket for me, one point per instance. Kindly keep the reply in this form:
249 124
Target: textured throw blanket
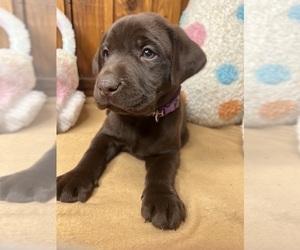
209 181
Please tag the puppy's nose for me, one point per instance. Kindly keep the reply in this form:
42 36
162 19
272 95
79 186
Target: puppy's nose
108 87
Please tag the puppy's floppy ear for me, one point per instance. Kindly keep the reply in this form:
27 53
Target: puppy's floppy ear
96 64
187 57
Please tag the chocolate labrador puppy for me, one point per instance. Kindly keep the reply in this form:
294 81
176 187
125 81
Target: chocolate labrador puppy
140 64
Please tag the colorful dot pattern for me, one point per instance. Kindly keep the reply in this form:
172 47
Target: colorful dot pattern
276 110
267 74
229 110
294 13
226 73
272 74
197 33
182 18
240 13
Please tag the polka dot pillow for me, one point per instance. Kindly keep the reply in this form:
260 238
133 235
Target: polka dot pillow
272 57
215 94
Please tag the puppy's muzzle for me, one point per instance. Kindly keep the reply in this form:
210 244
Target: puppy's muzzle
108 86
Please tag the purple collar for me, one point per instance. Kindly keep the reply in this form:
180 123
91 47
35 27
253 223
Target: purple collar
168 108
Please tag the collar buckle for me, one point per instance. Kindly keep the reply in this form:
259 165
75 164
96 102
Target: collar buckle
171 106
158 114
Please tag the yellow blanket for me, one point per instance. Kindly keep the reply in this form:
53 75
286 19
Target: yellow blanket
31 225
209 181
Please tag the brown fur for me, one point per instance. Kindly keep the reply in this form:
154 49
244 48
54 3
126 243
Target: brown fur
132 85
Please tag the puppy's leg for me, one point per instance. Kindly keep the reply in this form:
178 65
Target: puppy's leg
79 183
184 136
161 203
36 183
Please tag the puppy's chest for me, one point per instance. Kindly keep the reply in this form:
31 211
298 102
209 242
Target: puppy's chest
140 138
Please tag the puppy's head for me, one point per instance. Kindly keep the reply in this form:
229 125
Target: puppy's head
141 63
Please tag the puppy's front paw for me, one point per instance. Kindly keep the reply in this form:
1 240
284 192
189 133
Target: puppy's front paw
163 207
74 186
27 186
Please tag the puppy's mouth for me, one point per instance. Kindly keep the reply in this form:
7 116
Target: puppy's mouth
135 104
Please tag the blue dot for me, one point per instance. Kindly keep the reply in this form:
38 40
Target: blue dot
294 13
272 74
226 74
182 18
240 13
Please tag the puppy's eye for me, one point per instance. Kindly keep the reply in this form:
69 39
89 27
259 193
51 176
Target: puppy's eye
148 53
105 53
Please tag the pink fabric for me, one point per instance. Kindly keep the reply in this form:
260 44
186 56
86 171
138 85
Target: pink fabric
197 33
16 76
67 76
7 93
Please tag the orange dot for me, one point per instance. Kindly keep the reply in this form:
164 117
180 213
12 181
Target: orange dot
183 96
277 109
230 109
